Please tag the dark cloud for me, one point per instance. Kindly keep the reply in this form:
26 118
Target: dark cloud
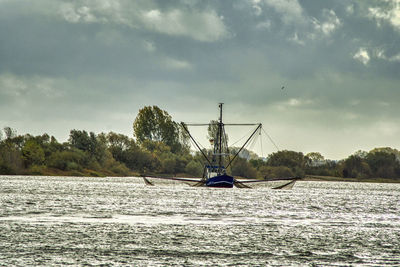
92 65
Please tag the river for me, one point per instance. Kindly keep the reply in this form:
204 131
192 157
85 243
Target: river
121 221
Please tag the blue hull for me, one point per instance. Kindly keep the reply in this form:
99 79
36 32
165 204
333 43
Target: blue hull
224 181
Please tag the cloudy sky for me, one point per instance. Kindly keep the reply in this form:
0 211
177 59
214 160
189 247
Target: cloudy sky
93 64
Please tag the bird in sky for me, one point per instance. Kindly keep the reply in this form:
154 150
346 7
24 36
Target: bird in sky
283 87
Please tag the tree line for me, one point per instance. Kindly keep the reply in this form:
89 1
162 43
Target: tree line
160 146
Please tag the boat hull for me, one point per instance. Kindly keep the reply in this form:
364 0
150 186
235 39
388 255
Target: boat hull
222 181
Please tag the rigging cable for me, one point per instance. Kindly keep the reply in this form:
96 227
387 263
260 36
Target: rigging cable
193 143
270 139
226 144
252 143
247 134
262 151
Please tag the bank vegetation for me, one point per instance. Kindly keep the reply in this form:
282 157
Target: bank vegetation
160 146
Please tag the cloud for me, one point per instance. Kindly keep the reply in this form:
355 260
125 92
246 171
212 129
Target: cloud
350 9
199 22
201 25
204 26
75 15
362 56
256 7
13 86
293 103
93 64
297 23
149 46
388 128
328 26
395 58
175 64
381 54
264 25
295 39
290 10
390 12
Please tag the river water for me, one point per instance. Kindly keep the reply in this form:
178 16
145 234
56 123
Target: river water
121 221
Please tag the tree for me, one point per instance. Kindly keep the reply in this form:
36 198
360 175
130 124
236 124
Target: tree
10 152
194 168
212 130
81 140
89 143
118 145
387 150
32 153
291 159
241 167
287 158
315 158
257 163
383 164
74 159
155 124
355 167
9 132
361 153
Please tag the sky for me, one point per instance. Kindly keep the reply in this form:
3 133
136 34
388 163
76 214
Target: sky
91 65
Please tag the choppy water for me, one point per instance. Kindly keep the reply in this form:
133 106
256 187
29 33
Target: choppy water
120 221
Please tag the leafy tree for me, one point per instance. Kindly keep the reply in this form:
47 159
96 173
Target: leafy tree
32 153
10 152
16 142
119 145
139 159
361 153
315 158
9 132
120 141
383 164
212 130
287 158
387 150
241 167
194 168
257 163
89 143
155 124
168 163
53 146
355 167
81 140
67 160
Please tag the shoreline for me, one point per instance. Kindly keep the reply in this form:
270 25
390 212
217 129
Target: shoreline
316 178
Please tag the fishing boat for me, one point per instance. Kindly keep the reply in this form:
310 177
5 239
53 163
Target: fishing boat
220 159
215 174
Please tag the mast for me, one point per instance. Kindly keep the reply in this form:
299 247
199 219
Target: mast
220 137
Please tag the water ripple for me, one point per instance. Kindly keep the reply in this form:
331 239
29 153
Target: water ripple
120 221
